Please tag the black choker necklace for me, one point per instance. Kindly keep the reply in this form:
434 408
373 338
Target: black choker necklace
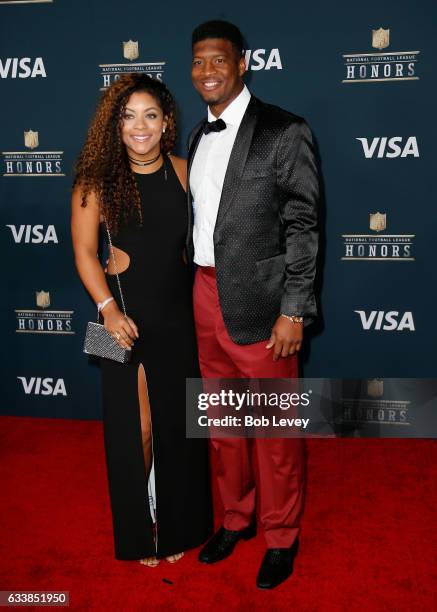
149 162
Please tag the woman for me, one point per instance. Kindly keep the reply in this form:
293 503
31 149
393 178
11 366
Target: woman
127 178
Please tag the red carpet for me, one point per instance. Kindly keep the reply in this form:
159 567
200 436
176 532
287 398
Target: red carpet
368 539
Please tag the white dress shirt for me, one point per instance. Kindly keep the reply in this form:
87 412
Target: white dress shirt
208 174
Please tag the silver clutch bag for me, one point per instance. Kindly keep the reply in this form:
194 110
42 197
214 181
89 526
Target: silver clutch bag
98 341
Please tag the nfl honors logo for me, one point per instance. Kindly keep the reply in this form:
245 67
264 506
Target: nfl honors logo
382 65
379 247
367 406
131 52
32 162
375 387
378 222
380 38
31 139
42 299
43 321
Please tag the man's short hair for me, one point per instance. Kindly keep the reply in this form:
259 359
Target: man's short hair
219 29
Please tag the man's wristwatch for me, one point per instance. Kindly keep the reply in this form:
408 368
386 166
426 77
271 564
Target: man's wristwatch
293 318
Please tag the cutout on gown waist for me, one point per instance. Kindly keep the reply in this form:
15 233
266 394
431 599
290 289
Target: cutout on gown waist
122 260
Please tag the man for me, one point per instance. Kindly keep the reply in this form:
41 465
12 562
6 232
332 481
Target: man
253 190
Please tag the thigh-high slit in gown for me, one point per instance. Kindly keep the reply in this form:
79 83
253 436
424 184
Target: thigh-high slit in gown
157 289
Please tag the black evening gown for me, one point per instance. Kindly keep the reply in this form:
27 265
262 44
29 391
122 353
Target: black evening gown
157 289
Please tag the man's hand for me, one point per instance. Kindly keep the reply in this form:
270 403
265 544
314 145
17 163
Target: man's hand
286 338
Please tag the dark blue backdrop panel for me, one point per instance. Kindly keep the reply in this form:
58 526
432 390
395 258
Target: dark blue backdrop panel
375 131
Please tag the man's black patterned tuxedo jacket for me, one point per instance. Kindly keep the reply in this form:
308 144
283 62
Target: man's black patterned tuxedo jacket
265 237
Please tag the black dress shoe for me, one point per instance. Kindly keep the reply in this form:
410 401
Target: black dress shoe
223 543
276 566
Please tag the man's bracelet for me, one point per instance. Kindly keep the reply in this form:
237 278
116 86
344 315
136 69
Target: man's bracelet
293 318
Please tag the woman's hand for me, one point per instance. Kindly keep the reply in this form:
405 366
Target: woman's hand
122 329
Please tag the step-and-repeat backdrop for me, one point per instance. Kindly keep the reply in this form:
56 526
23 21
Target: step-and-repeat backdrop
362 74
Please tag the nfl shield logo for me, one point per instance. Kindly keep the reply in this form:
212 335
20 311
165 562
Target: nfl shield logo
378 221
375 387
380 38
42 299
31 139
130 50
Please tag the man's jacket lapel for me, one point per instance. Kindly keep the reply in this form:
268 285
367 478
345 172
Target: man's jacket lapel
193 143
237 159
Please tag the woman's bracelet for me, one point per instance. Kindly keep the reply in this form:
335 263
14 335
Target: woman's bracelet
101 305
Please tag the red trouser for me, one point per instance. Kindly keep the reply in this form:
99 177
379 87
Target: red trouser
280 461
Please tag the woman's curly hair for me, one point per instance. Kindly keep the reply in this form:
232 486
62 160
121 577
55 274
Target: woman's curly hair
103 166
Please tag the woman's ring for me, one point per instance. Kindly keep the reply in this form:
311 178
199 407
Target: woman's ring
117 336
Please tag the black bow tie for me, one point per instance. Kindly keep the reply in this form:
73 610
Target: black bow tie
214 126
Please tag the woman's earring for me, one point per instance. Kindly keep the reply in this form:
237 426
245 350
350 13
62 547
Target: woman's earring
163 130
